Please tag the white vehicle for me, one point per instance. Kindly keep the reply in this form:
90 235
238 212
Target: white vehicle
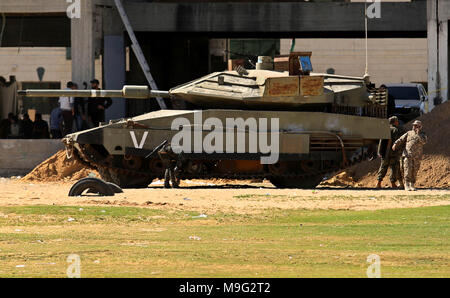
411 100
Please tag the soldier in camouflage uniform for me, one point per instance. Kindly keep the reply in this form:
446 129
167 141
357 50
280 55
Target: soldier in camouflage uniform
412 154
390 158
171 162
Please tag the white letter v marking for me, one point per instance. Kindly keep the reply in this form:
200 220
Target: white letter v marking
135 143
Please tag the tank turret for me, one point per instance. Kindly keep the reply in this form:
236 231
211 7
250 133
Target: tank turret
297 88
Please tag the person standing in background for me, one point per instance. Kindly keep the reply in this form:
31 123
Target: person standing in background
26 127
414 140
14 130
97 105
390 158
79 113
66 105
56 123
40 130
5 126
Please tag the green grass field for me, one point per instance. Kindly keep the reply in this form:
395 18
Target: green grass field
140 242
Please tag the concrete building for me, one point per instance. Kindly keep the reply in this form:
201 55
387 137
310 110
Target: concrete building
438 15
183 41
391 60
23 63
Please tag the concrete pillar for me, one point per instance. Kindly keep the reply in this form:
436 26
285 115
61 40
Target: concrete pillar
438 15
432 38
114 59
443 58
83 46
114 73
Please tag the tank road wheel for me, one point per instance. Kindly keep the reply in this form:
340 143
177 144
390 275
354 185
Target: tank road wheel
130 181
132 162
156 167
308 166
278 168
296 182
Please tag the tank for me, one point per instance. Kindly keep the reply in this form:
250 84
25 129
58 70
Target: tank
292 127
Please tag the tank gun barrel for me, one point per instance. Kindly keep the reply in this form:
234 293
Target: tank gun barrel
127 92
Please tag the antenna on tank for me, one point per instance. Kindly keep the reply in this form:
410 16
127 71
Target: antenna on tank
366 72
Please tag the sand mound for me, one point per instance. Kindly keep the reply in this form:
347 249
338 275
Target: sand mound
435 167
58 168
343 179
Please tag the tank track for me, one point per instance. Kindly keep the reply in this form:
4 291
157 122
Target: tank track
88 157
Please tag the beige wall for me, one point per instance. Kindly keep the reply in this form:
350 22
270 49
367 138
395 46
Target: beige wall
23 62
390 60
33 6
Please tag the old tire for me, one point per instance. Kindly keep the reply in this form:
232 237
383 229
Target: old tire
304 183
92 185
114 187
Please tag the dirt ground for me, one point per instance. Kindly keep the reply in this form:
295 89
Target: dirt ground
210 197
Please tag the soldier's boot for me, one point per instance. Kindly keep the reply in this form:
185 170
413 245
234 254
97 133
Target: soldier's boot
411 186
175 184
393 185
167 179
176 171
402 186
174 180
378 184
408 186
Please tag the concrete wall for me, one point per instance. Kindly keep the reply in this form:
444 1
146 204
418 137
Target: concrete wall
33 6
23 62
326 18
19 157
391 60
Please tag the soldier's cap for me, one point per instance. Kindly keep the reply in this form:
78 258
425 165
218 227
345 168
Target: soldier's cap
393 119
417 122
95 81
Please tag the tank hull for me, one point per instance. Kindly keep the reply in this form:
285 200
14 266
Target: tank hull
291 149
